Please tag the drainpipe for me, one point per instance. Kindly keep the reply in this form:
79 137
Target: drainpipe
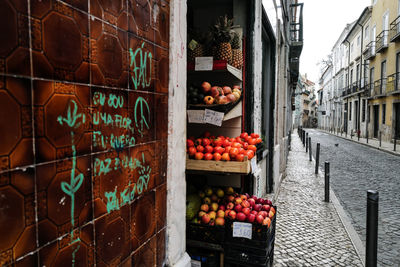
348 84
361 65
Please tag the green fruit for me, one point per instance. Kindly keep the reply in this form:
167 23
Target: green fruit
193 203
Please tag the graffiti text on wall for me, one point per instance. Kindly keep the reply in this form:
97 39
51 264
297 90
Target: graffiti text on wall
139 61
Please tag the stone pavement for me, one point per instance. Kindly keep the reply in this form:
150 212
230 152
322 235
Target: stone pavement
309 232
374 143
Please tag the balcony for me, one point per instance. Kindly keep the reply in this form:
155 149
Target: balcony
393 83
296 30
394 32
367 89
382 41
379 88
369 52
354 87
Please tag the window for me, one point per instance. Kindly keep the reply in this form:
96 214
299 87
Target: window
357 72
363 110
374 2
358 40
366 33
383 113
351 76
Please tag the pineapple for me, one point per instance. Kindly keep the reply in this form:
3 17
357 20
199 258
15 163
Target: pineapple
195 46
237 56
222 38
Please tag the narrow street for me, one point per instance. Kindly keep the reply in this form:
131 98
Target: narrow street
355 169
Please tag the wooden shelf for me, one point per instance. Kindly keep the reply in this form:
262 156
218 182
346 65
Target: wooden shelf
223 167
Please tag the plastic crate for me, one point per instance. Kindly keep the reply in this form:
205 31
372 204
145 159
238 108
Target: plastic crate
261 234
205 233
207 258
249 256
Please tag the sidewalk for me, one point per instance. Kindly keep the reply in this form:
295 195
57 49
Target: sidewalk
309 232
374 143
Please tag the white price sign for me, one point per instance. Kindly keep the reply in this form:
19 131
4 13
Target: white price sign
195 116
241 229
195 263
203 63
213 117
254 165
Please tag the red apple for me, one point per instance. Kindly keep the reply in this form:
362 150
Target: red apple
222 207
238 200
245 204
208 149
226 90
259 219
231 98
254 197
220 221
246 211
238 208
192 151
198 155
222 99
216 91
267 222
227 213
268 202
212 215
252 202
206 86
231 198
257 207
253 212
243 197
232 214
266 208
208 156
251 217
205 219
204 207
241 217
230 206
263 213
201 213
271 214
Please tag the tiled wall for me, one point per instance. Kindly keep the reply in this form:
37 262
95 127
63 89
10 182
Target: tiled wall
83 125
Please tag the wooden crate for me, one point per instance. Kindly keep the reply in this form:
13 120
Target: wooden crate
218 166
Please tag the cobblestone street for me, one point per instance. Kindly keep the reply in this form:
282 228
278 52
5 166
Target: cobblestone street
309 231
355 168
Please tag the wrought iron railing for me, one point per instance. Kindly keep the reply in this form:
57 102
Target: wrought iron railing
380 87
382 41
393 83
369 51
296 22
394 31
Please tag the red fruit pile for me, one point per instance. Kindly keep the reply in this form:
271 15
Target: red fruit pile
223 148
218 205
220 95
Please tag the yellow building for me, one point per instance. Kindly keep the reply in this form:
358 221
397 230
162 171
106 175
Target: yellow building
384 70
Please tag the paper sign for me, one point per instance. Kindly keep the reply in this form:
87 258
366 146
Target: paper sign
195 116
241 229
195 263
213 117
203 63
193 44
254 165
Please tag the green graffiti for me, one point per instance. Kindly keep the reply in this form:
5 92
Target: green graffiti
99 98
139 72
72 116
129 193
114 101
141 118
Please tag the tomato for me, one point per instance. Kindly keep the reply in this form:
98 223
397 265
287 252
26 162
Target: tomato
199 155
206 142
241 150
249 154
198 141
245 145
244 135
217 142
209 149
240 157
252 147
236 144
200 148
227 149
258 140
233 152
217 156
226 143
219 150
189 143
208 156
225 157
232 140
251 141
192 151
254 135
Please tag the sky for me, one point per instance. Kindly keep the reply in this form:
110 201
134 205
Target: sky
323 22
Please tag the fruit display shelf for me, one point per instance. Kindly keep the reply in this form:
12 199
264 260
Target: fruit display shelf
213 166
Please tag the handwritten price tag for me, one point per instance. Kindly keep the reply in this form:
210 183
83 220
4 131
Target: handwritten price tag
254 165
241 229
203 63
195 116
213 117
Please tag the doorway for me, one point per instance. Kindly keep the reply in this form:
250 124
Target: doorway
376 120
396 108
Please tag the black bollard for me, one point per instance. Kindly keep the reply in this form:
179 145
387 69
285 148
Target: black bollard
309 148
327 181
306 142
367 136
372 228
380 138
317 159
304 137
394 145
358 135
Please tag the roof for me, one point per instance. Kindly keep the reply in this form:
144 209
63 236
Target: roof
366 12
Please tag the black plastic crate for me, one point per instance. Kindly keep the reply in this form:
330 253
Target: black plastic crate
261 234
247 256
208 258
205 233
